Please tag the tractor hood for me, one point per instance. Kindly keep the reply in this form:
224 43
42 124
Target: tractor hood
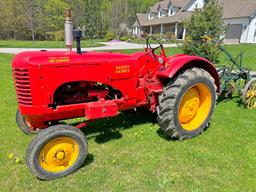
60 58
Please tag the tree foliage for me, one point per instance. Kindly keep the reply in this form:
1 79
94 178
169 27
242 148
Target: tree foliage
205 32
42 19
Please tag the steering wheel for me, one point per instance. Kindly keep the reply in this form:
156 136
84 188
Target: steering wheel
149 47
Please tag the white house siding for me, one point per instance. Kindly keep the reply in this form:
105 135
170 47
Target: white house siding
248 30
244 22
251 38
198 4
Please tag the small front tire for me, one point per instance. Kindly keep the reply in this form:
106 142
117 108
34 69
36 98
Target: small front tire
56 152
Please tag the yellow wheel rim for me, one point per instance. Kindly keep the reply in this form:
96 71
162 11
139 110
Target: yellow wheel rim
59 154
251 96
195 107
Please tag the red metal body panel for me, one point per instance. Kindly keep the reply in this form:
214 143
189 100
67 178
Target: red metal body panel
137 76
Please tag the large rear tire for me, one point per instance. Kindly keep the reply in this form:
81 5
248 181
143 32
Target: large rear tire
186 104
56 152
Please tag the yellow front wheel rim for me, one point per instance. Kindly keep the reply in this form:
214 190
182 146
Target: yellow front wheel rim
59 154
195 107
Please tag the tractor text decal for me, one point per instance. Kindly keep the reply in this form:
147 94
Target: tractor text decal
58 59
122 69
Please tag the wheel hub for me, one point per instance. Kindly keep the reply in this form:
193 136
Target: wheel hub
190 105
59 154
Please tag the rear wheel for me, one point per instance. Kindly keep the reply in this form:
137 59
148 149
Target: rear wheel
24 125
56 152
186 104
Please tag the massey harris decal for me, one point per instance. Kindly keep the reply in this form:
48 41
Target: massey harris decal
122 69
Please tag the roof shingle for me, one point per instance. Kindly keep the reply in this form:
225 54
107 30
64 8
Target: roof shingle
164 4
238 8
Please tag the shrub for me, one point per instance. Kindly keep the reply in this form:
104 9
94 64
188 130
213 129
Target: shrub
158 36
56 35
124 38
110 36
144 36
169 36
204 32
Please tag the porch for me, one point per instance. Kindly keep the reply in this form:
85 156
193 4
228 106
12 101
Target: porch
176 29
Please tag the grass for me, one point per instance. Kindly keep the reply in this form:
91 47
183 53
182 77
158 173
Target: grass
46 44
130 153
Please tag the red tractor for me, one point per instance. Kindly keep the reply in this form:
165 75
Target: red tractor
53 86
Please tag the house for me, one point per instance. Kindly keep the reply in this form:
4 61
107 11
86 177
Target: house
167 16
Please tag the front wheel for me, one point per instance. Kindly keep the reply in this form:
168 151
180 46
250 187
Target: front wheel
186 104
56 152
24 125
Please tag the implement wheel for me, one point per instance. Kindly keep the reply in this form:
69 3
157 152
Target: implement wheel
249 94
187 103
24 125
56 152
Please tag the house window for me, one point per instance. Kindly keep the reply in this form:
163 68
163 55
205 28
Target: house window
171 11
150 16
160 13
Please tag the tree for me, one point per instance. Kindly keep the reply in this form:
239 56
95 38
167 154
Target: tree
43 19
205 31
87 16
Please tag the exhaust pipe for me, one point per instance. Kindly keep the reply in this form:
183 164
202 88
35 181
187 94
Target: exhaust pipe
68 30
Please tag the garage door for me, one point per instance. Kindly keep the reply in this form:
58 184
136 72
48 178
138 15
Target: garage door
233 33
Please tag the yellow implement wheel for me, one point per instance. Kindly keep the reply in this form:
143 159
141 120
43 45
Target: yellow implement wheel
249 94
186 104
57 151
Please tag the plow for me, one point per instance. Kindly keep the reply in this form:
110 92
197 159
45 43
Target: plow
236 76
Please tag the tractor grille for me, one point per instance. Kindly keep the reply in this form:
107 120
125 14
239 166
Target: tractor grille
23 86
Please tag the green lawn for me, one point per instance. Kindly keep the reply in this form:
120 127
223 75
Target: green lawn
130 153
46 44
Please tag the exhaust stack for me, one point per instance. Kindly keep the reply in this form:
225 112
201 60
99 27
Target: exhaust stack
68 30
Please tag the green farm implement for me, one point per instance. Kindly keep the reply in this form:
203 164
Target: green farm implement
235 76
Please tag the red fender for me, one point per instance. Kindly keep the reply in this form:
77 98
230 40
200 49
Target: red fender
181 62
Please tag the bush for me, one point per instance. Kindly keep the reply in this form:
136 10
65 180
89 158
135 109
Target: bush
158 36
124 38
169 36
56 35
144 36
205 29
110 36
